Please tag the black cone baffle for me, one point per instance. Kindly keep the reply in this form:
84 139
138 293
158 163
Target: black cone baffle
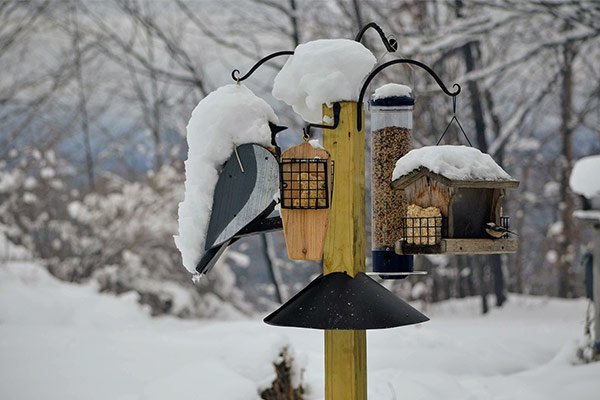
338 301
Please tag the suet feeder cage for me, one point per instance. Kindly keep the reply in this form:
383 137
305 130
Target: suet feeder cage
304 184
454 194
306 175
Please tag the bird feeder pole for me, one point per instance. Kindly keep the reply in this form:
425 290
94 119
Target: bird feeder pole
345 243
345 246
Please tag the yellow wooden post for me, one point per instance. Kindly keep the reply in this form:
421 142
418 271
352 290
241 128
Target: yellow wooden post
346 350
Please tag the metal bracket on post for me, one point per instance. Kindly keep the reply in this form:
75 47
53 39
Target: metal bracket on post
336 120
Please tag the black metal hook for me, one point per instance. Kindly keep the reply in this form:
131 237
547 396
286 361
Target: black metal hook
336 121
390 44
377 70
236 72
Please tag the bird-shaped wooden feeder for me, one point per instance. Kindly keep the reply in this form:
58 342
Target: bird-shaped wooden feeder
306 175
455 196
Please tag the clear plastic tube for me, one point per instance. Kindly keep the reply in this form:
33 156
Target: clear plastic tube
391 127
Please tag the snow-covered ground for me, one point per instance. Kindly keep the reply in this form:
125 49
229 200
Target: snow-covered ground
62 341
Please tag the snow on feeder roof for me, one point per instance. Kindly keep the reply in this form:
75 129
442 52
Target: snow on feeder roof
321 72
228 117
584 177
454 165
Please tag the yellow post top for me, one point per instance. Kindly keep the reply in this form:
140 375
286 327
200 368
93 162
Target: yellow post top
346 350
346 237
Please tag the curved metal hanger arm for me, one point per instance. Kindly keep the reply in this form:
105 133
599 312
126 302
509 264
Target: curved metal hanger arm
336 120
235 73
383 66
390 44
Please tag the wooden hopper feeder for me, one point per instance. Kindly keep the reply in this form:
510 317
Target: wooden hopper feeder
448 213
306 175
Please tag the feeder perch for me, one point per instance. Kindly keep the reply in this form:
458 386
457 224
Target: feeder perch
306 175
452 192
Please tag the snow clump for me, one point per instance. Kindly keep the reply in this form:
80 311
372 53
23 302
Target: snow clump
322 72
392 90
584 178
452 162
228 117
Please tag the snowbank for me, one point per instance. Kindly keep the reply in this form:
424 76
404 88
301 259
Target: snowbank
392 90
584 177
67 342
452 162
322 72
226 118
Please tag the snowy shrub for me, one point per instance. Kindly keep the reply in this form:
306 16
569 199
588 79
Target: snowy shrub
287 384
120 234
32 198
124 240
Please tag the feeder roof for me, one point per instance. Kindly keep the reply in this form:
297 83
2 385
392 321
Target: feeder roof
584 178
457 166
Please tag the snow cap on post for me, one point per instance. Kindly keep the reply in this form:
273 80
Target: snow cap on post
322 72
228 117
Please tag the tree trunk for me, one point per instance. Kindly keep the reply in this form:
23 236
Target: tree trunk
271 268
294 21
521 222
496 265
565 279
476 100
358 13
483 289
85 126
